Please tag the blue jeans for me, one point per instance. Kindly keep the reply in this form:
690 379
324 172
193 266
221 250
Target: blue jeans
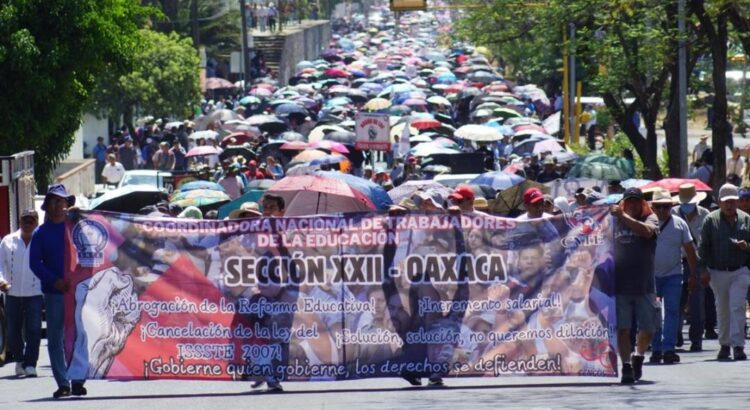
669 288
55 312
24 328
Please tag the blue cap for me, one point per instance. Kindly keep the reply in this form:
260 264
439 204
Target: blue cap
744 193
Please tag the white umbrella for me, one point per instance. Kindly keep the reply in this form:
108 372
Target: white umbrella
475 132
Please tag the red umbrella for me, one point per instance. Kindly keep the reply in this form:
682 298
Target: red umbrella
237 138
462 70
336 73
673 184
314 194
426 123
330 146
454 88
295 146
203 150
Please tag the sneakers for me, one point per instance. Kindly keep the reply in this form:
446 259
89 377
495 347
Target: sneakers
30 371
696 347
671 358
19 369
413 380
637 366
436 381
274 387
723 354
79 390
711 334
739 353
627 374
655 358
62 391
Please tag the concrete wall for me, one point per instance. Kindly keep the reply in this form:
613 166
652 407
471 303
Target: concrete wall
305 44
91 127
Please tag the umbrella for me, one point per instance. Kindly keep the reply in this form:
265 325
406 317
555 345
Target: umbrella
426 149
439 100
506 112
128 199
498 180
201 185
600 170
295 146
415 102
330 146
203 150
268 123
374 192
377 104
309 155
529 145
343 137
208 134
316 194
327 160
511 199
483 77
291 136
204 199
425 123
290 108
673 184
474 132
216 83
249 100
232 151
320 131
634 183
237 138
408 188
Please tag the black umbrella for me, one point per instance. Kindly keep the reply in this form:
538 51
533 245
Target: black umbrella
234 150
344 137
290 108
484 77
128 199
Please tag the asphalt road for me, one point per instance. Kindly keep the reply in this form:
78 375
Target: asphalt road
698 382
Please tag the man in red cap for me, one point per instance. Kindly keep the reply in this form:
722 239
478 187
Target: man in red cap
463 198
253 172
533 201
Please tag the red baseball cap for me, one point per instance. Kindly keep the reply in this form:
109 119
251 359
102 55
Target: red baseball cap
253 162
462 191
532 196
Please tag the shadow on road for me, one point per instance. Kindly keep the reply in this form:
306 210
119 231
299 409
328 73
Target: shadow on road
408 389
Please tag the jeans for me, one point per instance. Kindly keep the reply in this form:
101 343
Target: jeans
54 306
24 325
669 288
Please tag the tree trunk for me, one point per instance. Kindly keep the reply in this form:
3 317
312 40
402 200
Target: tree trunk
672 125
651 159
720 127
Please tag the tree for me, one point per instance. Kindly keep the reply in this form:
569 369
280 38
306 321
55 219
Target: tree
50 56
164 83
623 48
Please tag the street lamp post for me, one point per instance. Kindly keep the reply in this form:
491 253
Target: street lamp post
245 54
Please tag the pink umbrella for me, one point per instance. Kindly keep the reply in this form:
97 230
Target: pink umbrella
314 194
261 92
295 146
547 145
330 146
216 83
415 102
203 150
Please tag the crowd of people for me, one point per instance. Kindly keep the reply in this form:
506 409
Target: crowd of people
701 242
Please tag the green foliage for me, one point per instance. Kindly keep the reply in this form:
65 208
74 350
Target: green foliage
164 83
51 53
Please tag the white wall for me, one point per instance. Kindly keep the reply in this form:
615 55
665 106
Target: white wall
91 127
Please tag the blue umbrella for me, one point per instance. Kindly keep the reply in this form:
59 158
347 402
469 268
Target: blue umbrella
290 108
328 160
498 180
338 101
213 186
375 192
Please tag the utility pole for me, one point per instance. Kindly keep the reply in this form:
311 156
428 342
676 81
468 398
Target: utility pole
682 88
571 83
194 22
245 52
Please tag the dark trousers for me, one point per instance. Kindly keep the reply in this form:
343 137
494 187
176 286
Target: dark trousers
98 168
696 300
24 328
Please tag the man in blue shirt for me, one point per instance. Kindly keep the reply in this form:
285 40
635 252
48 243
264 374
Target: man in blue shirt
99 152
47 260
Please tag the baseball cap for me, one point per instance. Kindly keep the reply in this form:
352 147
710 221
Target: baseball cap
744 193
632 193
462 191
728 192
29 213
532 196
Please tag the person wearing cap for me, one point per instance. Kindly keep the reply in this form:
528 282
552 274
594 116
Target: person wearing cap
163 159
246 210
548 173
533 201
700 147
47 261
674 241
695 287
23 302
231 182
463 198
635 233
724 252
253 172
428 201
113 171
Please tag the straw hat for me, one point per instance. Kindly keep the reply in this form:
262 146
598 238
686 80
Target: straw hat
481 204
688 195
661 196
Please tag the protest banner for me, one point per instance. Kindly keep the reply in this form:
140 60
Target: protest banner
339 297
373 131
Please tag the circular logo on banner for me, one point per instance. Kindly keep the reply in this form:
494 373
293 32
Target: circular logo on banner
90 239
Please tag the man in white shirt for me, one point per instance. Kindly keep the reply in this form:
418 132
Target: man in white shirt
735 167
533 201
24 299
113 171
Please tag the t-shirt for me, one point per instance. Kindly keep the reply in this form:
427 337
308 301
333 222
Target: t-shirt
113 172
634 259
672 236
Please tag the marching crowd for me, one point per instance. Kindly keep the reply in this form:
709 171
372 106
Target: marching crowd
703 245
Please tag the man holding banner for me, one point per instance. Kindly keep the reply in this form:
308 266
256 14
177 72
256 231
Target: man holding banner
636 229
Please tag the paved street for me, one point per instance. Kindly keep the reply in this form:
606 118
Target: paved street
698 382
